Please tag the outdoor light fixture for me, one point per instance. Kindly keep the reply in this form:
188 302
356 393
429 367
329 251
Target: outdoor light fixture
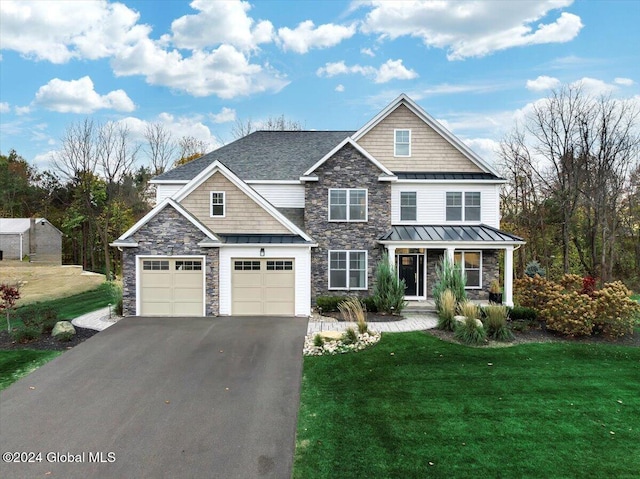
261 251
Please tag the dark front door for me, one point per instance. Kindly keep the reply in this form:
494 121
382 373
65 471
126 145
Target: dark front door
408 270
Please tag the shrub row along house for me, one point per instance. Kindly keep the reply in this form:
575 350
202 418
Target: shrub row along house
270 222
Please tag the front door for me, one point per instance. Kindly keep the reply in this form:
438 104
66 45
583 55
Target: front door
411 269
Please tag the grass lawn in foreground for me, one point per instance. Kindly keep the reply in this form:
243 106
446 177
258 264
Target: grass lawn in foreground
415 407
18 363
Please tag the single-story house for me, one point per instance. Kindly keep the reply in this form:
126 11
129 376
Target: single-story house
36 238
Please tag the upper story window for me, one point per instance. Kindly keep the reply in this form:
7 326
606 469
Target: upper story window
217 203
408 206
347 204
402 143
463 206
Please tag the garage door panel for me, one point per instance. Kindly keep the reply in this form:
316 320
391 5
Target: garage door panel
263 287
182 308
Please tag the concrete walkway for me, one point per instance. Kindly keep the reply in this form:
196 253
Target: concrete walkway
98 320
412 322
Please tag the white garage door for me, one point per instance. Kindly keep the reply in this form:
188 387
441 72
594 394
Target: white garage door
171 287
263 287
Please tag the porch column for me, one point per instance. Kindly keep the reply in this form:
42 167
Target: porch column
391 252
450 252
508 276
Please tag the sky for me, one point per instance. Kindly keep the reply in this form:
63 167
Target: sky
199 67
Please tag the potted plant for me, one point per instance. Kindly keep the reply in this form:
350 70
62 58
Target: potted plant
495 292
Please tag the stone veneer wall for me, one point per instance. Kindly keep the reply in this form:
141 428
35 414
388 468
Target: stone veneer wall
169 229
346 169
490 271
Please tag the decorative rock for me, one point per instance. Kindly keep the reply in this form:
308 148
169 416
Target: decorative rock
63 327
462 319
330 335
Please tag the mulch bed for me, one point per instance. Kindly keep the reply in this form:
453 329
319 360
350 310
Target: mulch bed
46 341
371 317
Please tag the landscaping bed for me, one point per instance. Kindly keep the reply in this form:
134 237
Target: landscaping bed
46 341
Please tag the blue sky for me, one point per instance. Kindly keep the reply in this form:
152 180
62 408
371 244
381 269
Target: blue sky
198 67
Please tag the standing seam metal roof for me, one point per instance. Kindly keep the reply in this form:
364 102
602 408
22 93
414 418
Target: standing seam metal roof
439 233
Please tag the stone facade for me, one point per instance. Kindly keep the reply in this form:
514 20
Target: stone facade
170 234
348 168
490 271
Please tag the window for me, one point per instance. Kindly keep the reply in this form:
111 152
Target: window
471 264
467 203
347 204
246 265
402 145
347 270
408 208
217 203
188 265
155 265
280 265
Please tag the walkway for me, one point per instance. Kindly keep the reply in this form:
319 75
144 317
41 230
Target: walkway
412 322
98 320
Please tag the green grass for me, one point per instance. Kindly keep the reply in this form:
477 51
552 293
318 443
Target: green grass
19 363
636 297
435 409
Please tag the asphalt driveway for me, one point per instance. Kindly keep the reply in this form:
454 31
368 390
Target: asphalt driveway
162 397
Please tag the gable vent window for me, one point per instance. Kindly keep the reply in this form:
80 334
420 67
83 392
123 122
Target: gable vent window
402 144
463 206
408 206
217 203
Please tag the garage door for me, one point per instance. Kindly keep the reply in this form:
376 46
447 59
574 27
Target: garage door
263 287
171 287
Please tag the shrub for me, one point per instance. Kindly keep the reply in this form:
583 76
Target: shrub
352 310
588 285
116 295
370 304
8 297
449 276
615 312
65 337
534 268
571 282
36 316
318 341
496 322
535 292
329 303
571 313
447 311
520 313
25 334
469 310
350 336
388 292
470 332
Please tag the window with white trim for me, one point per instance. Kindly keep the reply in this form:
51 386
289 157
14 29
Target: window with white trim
471 264
402 142
347 204
217 203
463 206
347 270
408 206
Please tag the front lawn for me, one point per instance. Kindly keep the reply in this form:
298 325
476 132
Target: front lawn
19 363
415 407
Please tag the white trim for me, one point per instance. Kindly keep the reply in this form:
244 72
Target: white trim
216 166
403 99
348 218
169 182
304 179
272 182
155 211
224 204
473 245
141 257
348 270
268 245
362 151
434 181
395 143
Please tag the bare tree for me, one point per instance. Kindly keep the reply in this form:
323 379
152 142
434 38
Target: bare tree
243 128
161 147
190 149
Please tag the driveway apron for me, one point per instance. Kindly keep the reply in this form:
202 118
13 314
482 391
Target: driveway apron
162 397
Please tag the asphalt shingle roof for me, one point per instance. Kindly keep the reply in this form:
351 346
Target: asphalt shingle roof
265 155
448 233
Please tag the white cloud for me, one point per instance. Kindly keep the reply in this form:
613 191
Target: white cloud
486 148
79 96
340 88
543 83
4 107
220 22
469 28
44 159
390 70
367 51
595 87
623 81
22 110
225 115
306 36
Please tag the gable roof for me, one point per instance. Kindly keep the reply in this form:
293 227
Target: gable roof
362 151
217 166
264 155
20 225
417 110
125 239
